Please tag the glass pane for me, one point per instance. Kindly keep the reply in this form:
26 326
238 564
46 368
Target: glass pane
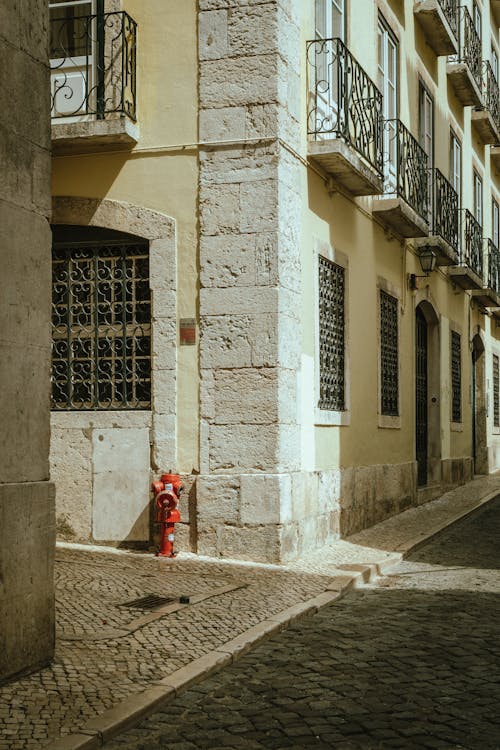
70 35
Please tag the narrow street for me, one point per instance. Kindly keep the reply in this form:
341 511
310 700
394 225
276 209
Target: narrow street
413 662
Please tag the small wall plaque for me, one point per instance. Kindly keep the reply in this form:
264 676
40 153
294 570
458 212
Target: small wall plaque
187 331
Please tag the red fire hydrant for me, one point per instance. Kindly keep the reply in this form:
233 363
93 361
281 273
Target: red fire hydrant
167 493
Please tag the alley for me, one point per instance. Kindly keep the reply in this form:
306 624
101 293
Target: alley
412 662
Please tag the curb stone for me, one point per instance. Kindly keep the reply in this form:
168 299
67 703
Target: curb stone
130 711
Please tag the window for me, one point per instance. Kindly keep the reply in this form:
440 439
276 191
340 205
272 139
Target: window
389 360
330 19
456 377
426 122
101 321
496 392
478 198
494 62
495 222
426 138
331 286
456 165
476 17
388 85
330 23
73 34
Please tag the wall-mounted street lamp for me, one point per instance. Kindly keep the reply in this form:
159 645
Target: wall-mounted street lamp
427 260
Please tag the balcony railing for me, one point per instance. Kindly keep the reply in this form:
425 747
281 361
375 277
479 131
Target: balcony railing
493 267
491 93
444 210
405 168
345 103
469 46
93 66
450 10
471 246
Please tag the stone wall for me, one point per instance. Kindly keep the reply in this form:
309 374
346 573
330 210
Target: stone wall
104 461
26 496
250 206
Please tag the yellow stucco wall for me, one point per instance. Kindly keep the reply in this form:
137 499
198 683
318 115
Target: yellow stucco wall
161 172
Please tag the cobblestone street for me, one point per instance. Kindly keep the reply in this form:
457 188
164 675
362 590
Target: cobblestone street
410 663
110 648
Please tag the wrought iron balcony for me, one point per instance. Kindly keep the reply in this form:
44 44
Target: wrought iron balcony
443 220
490 295
439 21
465 69
486 119
404 206
93 75
344 117
469 272
493 267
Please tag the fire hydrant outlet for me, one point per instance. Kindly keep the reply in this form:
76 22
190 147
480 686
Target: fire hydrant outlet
167 493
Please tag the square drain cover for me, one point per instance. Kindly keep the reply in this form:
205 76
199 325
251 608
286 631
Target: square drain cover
150 601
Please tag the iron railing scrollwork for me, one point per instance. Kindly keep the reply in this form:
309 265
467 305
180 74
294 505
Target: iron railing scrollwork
491 93
456 377
101 327
493 267
450 10
496 391
389 355
344 101
471 246
93 65
331 284
444 210
469 46
406 173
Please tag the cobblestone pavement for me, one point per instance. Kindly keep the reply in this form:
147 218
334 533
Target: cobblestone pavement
413 662
106 651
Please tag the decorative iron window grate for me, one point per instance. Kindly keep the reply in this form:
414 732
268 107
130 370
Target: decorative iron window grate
389 361
496 391
456 377
331 335
101 326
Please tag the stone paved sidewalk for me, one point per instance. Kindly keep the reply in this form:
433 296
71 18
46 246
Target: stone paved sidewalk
108 650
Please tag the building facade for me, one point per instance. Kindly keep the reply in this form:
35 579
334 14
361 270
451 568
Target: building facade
275 264
27 520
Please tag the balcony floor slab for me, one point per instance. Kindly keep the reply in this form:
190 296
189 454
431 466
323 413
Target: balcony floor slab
485 126
465 277
486 297
346 166
437 30
495 156
396 214
466 89
116 134
446 255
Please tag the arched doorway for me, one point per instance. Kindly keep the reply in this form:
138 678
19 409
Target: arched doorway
479 445
427 402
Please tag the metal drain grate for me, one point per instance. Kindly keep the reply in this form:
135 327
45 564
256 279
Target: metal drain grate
150 601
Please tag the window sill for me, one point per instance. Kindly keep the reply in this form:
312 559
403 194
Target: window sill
325 418
386 422
456 426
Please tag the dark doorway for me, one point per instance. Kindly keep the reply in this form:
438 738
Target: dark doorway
421 425
479 442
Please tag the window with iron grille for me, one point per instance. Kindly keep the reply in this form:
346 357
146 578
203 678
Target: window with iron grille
331 335
101 325
456 377
389 361
496 392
